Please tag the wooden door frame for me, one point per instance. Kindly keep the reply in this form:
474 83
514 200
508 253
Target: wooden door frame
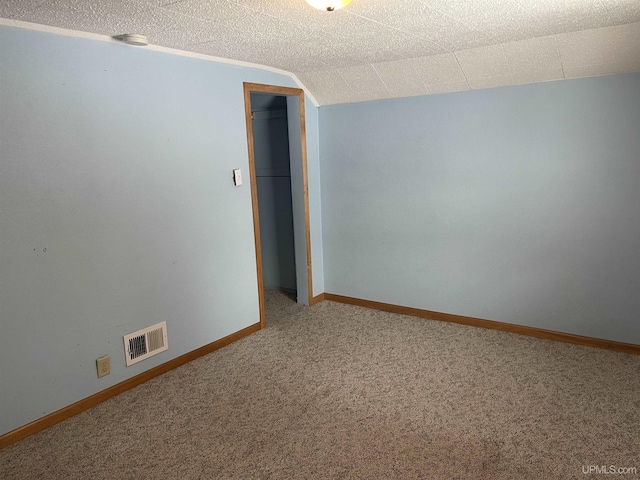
289 92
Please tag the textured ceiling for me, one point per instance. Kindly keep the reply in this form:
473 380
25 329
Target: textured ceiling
376 48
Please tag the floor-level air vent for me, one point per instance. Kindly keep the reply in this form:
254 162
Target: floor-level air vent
145 343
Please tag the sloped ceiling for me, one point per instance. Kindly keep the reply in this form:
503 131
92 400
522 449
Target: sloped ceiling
376 49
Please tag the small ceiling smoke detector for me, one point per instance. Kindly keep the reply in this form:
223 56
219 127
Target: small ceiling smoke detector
134 39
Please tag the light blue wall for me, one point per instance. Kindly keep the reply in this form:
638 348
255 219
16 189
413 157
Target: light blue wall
294 130
315 200
517 204
118 211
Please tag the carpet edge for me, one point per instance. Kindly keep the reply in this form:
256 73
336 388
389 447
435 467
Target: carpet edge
80 406
557 336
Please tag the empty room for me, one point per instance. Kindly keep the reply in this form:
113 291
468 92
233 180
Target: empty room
319 239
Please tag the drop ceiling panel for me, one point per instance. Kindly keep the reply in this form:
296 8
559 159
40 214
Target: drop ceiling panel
342 55
227 14
360 30
623 11
72 19
461 36
299 13
506 20
83 17
568 15
153 21
439 69
540 75
288 61
380 11
490 82
401 78
407 45
526 57
415 46
617 44
484 62
604 69
225 47
420 18
120 8
11 8
448 87
363 79
407 88
224 12
328 86
411 46
188 32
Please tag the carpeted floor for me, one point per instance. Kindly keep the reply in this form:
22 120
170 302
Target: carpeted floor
338 391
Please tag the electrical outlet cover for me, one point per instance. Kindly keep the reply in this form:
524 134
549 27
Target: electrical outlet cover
104 366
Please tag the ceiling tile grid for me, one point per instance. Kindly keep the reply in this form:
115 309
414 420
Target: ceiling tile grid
439 69
528 56
424 20
344 55
569 15
364 81
376 48
228 15
191 31
401 78
604 45
506 20
483 62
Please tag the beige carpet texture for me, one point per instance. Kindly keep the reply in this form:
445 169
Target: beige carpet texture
337 391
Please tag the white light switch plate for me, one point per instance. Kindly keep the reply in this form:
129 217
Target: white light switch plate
237 177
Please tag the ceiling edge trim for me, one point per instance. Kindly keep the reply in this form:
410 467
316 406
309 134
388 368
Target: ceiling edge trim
156 48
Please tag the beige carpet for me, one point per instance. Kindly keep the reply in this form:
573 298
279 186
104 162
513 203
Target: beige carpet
338 391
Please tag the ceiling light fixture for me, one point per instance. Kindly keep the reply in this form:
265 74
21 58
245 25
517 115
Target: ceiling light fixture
328 5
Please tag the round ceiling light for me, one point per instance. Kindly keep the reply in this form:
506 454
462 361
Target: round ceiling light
328 5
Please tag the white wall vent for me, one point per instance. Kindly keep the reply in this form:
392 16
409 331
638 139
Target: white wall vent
145 343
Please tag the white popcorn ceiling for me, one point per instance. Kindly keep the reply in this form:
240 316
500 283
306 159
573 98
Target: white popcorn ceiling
376 49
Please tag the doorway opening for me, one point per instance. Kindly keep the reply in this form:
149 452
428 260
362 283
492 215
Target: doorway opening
276 139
